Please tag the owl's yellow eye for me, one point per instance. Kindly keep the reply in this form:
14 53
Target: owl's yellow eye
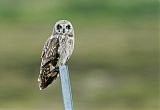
59 27
68 27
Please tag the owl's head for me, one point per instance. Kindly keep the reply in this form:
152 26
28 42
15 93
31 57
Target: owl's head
63 27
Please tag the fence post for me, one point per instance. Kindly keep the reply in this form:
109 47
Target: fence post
66 88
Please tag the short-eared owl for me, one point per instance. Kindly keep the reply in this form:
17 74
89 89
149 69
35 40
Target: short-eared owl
56 52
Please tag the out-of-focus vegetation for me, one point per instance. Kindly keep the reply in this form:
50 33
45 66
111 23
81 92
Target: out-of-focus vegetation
114 65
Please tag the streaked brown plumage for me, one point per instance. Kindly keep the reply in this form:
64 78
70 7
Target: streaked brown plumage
56 52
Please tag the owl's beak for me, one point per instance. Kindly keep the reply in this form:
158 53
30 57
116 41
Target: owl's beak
63 31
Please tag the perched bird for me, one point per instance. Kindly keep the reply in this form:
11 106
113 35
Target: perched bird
56 52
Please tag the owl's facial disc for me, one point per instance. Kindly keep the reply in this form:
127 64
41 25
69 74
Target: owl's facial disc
63 27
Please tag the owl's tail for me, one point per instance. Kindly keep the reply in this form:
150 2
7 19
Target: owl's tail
47 77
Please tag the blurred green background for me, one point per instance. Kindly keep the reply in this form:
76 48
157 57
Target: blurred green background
114 65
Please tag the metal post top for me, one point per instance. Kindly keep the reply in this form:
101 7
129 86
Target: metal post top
66 87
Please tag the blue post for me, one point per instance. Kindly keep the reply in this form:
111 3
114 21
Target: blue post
66 88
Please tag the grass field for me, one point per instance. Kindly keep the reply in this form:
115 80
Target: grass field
114 65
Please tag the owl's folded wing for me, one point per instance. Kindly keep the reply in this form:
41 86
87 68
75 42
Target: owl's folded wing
48 69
